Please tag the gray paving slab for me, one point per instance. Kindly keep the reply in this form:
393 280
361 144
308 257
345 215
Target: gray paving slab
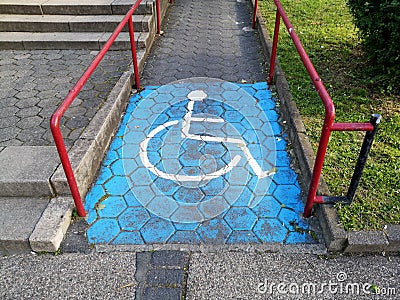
161 274
26 170
206 39
18 218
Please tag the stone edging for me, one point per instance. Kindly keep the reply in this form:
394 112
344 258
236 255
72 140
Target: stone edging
336 238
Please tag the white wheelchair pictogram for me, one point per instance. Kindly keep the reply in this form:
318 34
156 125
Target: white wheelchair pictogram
199 95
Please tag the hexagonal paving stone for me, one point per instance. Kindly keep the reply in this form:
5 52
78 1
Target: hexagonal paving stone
131 199
111 207
285 176
94 195
140 177
232 116
103 231
105 174
267 208
184 237
157 230
117 168
214 110
240 218
299 237
117 185
287 194
216 150
111 156
128 237
214 187
292 219
162 206
134 137
188 195
243 237
245 197
270 230
214 231
165 186
133 218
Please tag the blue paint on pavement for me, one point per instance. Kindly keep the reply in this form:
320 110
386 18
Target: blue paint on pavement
130 204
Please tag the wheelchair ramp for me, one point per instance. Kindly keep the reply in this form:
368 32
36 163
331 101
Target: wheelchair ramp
199 161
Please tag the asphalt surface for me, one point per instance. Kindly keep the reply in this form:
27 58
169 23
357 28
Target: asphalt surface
222 275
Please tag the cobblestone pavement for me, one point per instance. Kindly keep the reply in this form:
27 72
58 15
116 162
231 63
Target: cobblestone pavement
206 39
33 83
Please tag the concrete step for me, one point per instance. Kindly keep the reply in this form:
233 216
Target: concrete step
37 224
26 171
73 7
70 40
69 23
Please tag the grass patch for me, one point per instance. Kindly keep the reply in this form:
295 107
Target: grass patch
327 32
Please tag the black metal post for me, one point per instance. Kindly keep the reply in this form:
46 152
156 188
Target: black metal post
362 158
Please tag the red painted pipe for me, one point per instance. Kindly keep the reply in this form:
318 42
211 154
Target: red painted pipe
158 10
253 24
352 127
58 114
274 48
134 55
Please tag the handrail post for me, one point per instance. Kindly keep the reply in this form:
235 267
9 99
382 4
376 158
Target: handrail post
69 173
253 24
158 11
319 162
274 48
134 55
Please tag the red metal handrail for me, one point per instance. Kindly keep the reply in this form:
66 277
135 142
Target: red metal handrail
58 114
329 124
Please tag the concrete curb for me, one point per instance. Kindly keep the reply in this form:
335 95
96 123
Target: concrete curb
336 238
52 226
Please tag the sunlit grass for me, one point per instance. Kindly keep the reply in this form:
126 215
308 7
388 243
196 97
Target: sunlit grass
327 32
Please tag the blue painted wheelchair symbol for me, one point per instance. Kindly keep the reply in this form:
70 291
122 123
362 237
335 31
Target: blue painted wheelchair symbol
182 174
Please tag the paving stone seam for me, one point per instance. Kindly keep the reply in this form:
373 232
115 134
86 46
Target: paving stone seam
336 238
161 277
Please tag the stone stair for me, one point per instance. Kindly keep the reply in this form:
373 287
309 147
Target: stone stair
62 24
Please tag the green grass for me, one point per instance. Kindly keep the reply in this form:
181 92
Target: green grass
327 32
